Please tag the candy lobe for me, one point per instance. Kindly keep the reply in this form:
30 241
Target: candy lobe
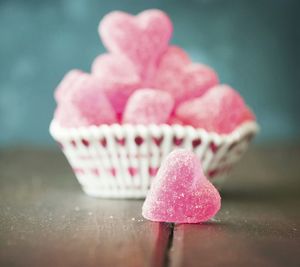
67 116
220 110
174 120
148 106
94 105
180 77
118 78
82 102
180 193
248 115
66 83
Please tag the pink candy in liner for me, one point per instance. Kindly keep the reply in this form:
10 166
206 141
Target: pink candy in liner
180 77
174 120
69 117
118 78
180 193
82 102
66 83
248 115
148 106
220 110
142 38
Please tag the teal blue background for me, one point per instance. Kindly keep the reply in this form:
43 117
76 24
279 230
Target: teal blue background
254 46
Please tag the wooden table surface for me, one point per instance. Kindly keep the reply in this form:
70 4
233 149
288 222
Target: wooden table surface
45 219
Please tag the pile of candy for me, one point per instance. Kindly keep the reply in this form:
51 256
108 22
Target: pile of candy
144 80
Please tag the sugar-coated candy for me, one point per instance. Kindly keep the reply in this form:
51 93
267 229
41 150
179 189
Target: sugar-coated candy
66 83
68 116
174 120
82 102
180 77
93 104
148 106
143 38
180 193
248 115
220 110
118 78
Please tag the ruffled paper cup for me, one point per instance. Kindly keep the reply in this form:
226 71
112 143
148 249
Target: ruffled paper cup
120 161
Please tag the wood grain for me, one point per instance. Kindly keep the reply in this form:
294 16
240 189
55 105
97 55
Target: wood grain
259 222
45 219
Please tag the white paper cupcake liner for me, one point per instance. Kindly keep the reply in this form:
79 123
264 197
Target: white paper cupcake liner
119 161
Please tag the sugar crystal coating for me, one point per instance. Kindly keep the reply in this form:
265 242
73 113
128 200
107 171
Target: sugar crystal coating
82 102
118 78
148 106
174 120
68 116
143 38
66 83
180 77
220 110
248 115
180 193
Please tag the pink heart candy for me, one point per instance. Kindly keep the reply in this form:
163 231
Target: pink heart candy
248 115
147 106
174 120
143 38
66 83
180 193
67 116
118 78
220 110
180 77
82 102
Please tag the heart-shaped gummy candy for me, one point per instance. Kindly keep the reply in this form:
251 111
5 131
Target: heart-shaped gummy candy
142 38
81 101
219 110
146 106
183 79
180 193
118 78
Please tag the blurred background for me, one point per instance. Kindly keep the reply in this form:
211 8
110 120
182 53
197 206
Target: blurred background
253 45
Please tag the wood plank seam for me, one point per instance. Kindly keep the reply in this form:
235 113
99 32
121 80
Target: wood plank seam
171 228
